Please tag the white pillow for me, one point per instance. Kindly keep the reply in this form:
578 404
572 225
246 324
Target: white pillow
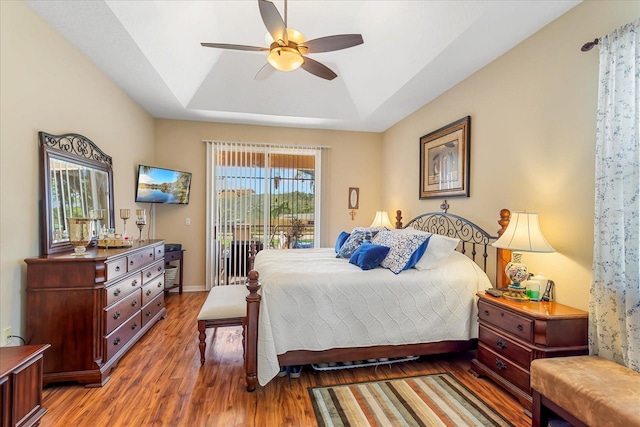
438 250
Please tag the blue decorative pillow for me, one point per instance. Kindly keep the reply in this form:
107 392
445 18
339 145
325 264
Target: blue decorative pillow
341 239
368 255
402 248
357 237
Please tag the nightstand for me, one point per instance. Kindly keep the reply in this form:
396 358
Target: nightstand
513 334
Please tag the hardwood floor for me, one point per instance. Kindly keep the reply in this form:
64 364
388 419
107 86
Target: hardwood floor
160 382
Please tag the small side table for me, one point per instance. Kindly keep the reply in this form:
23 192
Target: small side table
21 370
512 334
177 256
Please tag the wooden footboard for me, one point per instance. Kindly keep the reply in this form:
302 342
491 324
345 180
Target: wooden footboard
304 357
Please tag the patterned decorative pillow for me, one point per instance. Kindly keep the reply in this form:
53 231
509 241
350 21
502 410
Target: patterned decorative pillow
341 239
402 247
357 237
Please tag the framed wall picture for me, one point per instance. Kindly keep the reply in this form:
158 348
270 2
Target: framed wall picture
444 161
354 196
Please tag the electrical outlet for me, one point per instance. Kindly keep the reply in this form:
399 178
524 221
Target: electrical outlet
6 333
187 221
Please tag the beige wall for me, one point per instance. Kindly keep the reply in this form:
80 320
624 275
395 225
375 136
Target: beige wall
45 84
354 160
532 141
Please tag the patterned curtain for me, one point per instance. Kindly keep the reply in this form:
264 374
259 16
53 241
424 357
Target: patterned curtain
614 311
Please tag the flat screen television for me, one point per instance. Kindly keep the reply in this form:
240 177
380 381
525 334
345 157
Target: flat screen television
158 185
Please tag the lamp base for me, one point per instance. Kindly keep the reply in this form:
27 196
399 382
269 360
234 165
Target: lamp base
516 293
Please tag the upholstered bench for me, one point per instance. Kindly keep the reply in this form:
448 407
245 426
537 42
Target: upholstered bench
585 391
225 306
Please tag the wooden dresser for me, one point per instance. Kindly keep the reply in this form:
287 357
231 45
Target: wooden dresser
513 334
21 385
93 309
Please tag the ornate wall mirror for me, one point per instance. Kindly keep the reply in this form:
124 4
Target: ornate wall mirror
76 181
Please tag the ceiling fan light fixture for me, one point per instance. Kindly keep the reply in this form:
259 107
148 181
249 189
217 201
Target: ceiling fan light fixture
285 58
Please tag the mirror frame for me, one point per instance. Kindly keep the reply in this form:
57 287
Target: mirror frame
76 149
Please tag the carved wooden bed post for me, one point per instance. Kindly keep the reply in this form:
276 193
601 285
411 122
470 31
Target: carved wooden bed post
251 327
503 255
398 218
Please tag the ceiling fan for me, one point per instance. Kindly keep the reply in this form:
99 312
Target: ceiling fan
286 52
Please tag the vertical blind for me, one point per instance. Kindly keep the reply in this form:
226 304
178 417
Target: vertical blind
260 194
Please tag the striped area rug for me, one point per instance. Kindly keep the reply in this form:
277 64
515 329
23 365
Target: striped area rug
428 400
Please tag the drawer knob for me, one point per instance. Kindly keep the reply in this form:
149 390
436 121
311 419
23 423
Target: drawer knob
134 326
148 292
151 255
159 268
116 341
116 292
520 327
159 284
134 282
501 344
501 365
486 312
159 303
116 315
148 313
117 268
131 262
502 314
134 303
148 274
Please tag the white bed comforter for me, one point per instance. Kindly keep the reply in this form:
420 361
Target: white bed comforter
312 300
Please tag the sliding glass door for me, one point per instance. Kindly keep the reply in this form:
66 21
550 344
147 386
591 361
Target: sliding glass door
265 195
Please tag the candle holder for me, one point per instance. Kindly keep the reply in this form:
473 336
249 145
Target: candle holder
125 214
96 215
80 234
141 221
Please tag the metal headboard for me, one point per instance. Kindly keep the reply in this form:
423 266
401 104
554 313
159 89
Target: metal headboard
470 235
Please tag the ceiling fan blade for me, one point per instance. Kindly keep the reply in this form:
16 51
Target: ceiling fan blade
264 72
235 47
273 20
331 43
318 69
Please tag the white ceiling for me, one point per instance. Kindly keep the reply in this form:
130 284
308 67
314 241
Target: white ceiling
413 51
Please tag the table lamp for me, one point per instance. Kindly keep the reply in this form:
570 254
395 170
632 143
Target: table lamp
381 220
522 235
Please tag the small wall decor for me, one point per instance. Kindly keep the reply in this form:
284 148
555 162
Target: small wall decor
444 161
354 200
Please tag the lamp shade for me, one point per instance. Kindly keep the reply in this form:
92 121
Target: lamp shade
381 220
285 58
523 234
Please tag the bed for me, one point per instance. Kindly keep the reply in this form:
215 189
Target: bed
308 306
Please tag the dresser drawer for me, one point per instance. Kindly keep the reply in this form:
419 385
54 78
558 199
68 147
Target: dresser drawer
150 310
504 367
122 310
140 259
158 252
506 347
118 339
123 288
513 323
151 289
116 268
151 272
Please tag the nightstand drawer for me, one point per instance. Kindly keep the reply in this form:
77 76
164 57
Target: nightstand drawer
519 326
504 367
505 347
